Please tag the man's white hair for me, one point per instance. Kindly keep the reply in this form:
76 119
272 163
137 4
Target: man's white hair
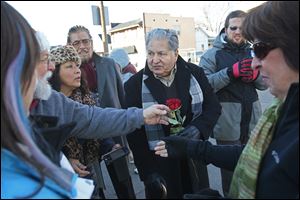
42 40
43 89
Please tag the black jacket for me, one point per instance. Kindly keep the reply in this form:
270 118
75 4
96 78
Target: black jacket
279 170
174 171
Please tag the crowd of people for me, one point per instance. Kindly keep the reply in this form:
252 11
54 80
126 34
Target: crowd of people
63 108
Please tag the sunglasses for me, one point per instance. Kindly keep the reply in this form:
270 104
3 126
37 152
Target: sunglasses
260 50
234 28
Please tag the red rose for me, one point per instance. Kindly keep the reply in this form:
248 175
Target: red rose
173 104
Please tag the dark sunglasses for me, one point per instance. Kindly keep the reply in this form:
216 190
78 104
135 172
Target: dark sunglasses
260 50
233 28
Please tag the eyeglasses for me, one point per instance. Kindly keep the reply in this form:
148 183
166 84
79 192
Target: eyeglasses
260 50
46 60
85 42
234 28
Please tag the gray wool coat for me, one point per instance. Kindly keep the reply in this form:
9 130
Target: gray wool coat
91 121
109 83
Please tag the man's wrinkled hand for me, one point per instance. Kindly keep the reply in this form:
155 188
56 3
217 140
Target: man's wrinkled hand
156 114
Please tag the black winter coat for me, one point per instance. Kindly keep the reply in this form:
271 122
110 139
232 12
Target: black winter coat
174 171
278 177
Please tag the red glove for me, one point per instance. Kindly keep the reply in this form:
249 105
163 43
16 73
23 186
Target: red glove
242 70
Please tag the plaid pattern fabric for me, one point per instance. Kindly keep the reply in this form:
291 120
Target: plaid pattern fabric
243 185
155 132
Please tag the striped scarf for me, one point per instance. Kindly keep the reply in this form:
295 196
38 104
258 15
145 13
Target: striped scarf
155 132
243 185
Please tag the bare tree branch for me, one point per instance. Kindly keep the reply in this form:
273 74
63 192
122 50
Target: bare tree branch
214 15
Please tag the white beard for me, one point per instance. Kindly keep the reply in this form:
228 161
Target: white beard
43 89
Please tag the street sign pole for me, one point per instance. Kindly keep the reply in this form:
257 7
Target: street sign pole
104 35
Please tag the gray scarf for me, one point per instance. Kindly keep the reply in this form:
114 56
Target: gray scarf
155 132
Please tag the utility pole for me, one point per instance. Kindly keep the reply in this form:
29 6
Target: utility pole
104 35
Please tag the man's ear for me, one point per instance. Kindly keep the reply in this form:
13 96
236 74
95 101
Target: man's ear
176 53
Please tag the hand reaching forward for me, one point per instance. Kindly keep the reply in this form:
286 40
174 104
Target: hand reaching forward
160 149
156 114
172 146
78 167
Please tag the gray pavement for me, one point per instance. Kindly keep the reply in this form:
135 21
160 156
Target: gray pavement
214 172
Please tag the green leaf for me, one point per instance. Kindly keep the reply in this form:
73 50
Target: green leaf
183 119
173 121
179 116
175 130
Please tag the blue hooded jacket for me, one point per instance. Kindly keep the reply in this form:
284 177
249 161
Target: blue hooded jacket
22 180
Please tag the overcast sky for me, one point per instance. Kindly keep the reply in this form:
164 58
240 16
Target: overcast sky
54 18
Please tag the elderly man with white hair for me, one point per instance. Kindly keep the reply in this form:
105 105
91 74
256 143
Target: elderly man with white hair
45 68
91 122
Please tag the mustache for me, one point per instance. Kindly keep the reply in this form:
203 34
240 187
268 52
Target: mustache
83 51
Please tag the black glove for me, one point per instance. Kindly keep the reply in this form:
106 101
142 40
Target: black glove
190 132
155 187
176 146
242 70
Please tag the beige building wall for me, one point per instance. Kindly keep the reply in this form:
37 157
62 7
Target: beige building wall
134 35
185 27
